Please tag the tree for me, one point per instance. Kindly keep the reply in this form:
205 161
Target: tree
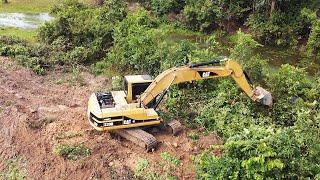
98 2
5 1
273 5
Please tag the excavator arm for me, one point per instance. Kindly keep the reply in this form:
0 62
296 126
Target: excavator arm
201 71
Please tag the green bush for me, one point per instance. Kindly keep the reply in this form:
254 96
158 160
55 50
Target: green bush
289 81
272 31
313 45
259 153
206 15
243 52
203 15
139 47
168 157
12 46
243 48
290 87
194 136
117 83
72 152
135 44
162 7
178 54
13 170
224 113
282 27
79 34
84 27
34 63
30 56
276 143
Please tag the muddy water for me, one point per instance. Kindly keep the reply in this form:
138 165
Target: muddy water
23 20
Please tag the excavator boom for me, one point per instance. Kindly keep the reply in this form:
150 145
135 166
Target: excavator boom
200 71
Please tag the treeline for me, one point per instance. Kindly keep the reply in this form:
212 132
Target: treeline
84 34
273 22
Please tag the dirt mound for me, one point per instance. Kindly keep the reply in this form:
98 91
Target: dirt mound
38 113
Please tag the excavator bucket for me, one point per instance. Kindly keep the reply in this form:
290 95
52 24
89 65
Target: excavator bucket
263 96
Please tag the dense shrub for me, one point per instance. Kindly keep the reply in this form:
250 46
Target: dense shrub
263 143
139 46
162 7
259 153
279 143
236 11
135 44
275 30
31 56
313 44
289 81
291 87
244 46
79 34
226 112
243 52
85 27
282 26
272 22
203 15
72 152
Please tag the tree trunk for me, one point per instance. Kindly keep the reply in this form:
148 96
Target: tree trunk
5 1
98 2
273 6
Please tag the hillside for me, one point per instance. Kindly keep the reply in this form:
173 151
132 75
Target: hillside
40 112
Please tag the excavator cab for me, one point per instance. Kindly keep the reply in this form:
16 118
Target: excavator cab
135 85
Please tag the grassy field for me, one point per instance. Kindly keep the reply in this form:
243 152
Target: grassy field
29 35
30 6
26 6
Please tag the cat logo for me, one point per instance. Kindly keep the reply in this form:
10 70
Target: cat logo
205 74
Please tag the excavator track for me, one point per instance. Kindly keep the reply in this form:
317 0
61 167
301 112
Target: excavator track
174 127
139 137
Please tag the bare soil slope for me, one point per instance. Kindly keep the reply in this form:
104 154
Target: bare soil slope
37 113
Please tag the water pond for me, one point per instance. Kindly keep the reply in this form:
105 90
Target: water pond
23 20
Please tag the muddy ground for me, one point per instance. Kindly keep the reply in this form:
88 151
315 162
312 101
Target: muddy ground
37 113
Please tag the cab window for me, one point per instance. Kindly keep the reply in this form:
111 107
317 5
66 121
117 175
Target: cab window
125 83
138 89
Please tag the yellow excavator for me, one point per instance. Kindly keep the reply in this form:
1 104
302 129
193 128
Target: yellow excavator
123 111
